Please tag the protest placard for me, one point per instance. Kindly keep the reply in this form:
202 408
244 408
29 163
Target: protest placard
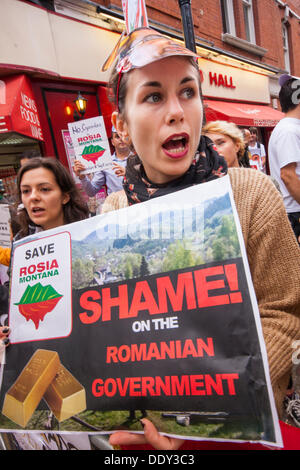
69 149
161 321
90 144
96 202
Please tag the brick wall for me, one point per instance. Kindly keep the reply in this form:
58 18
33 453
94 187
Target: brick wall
207 19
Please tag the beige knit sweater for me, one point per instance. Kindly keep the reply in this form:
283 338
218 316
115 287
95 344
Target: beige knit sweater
274 260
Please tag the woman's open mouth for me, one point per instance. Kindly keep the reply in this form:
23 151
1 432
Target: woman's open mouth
37 211
176 146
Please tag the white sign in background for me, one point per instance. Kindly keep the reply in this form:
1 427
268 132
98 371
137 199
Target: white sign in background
91 145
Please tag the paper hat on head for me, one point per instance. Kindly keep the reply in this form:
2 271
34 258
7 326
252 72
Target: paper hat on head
142 47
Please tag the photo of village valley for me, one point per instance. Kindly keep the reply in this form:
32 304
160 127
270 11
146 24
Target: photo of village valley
154 248
157 249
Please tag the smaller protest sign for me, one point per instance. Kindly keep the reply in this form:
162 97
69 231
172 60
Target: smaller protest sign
90 143
94 203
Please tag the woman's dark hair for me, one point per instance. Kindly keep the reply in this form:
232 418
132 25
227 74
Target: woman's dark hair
117 86
74 210
253 130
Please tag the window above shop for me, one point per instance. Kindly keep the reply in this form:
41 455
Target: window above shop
286 48
228 17
229 35
249 21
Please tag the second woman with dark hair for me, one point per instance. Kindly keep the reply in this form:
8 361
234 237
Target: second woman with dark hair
49 196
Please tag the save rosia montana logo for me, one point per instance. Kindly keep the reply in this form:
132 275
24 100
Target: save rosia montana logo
37 301
41 288
91 153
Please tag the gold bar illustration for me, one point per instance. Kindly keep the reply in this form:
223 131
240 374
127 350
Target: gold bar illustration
25 394
65 396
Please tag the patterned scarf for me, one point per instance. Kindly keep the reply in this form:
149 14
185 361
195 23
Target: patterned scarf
207 165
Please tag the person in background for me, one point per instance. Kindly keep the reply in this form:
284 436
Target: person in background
28 155
228 141
48 195
257 150
284 161
5 252
284 150
247 135
3 196
112 178
160 111
245 160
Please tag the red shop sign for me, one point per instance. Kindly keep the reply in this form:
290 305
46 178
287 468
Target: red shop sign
219 79
18 110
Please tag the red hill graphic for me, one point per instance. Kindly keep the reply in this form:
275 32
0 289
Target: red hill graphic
91 153
37 301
